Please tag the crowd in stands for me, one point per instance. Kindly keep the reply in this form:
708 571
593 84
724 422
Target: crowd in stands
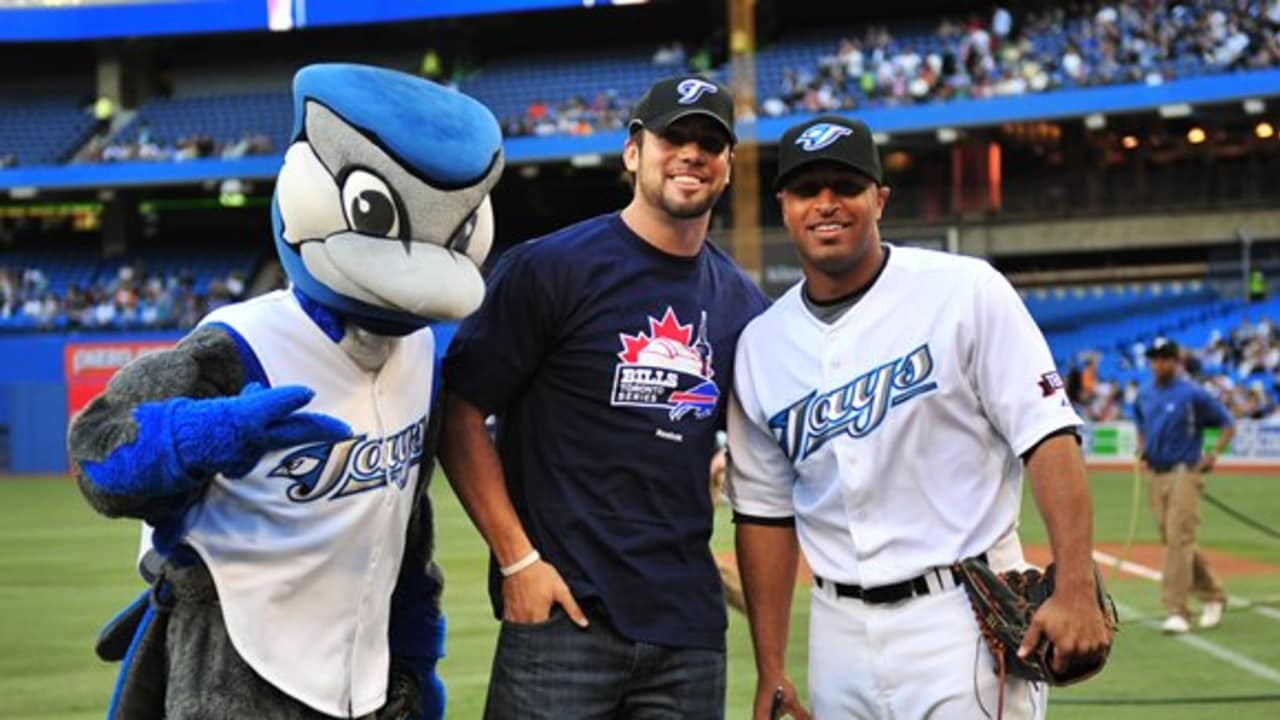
1241 368
1025 51
146 147
133 298
607 110
575 116
1019 48
1014 51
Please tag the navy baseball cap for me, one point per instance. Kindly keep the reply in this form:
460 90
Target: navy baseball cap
829 138
1162 348
674 98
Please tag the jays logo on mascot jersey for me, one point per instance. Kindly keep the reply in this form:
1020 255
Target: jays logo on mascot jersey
665 370
857 407
352 466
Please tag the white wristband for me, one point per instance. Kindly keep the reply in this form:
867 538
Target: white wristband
520 564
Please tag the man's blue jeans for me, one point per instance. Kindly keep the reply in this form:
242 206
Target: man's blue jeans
557 670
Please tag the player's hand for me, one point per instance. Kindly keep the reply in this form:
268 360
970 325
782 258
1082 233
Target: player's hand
790 706
1073 622
1208 461
529 595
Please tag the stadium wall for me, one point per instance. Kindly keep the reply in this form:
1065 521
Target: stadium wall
1255 448
36 395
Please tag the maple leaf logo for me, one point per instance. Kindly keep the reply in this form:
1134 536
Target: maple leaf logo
668 328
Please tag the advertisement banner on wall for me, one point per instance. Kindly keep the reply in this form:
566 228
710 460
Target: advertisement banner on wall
1256 442
88 366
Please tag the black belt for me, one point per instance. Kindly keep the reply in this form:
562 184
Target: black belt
897 592
1164 468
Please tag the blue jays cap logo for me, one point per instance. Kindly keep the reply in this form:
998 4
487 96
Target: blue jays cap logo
820 136
692 89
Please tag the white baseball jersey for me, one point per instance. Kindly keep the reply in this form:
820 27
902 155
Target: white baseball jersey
306 548
893 435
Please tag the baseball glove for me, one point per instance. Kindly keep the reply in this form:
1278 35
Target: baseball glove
1004 604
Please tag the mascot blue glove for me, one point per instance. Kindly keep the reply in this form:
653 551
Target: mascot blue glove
280 453
193 439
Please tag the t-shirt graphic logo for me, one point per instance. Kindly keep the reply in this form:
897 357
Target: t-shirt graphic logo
667 369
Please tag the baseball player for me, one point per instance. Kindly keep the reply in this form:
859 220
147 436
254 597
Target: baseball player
606 350
885 410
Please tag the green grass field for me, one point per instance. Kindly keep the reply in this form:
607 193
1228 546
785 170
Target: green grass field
64 571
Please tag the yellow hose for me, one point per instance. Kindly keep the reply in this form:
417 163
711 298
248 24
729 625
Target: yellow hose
1133 518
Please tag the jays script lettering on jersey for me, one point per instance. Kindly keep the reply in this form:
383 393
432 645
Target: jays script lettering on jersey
857 407
352 466
665 370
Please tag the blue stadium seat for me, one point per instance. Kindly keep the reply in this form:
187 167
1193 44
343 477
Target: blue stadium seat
42 132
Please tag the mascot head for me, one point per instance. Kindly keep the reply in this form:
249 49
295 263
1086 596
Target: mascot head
382 207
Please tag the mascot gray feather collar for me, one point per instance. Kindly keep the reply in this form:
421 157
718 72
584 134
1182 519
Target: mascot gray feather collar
382 211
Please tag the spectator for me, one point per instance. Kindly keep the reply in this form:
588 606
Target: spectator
1001 23
104 111
431 68
671 55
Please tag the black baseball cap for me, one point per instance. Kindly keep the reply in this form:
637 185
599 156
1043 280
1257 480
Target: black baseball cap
830 138
671 99
1164 349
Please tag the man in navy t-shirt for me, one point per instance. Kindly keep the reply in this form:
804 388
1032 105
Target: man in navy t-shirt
1172 414
605 350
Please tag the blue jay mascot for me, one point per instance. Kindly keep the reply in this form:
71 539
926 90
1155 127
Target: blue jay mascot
280 453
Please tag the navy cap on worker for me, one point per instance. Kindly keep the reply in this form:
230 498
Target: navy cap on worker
828 138
674 98
1162 348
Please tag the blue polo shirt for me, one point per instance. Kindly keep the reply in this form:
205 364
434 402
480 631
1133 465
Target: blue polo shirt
609 364
1172 419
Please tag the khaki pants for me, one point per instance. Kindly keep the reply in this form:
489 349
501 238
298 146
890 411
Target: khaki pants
1175 503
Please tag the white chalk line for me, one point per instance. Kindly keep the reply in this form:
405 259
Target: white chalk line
1224 654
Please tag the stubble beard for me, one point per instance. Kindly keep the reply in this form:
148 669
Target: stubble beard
676 207
688 210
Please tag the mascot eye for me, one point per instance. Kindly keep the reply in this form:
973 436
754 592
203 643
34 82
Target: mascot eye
461 239
370 205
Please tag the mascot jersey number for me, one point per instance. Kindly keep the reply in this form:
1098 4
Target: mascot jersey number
280 452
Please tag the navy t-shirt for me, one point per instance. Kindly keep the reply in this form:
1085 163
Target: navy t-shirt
609 363
1172 419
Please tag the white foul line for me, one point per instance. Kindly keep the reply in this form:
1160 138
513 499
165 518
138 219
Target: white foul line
1195 641
1214 649
1132 568
1153 575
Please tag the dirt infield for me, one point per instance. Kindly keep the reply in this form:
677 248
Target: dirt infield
1224 467
1149 555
